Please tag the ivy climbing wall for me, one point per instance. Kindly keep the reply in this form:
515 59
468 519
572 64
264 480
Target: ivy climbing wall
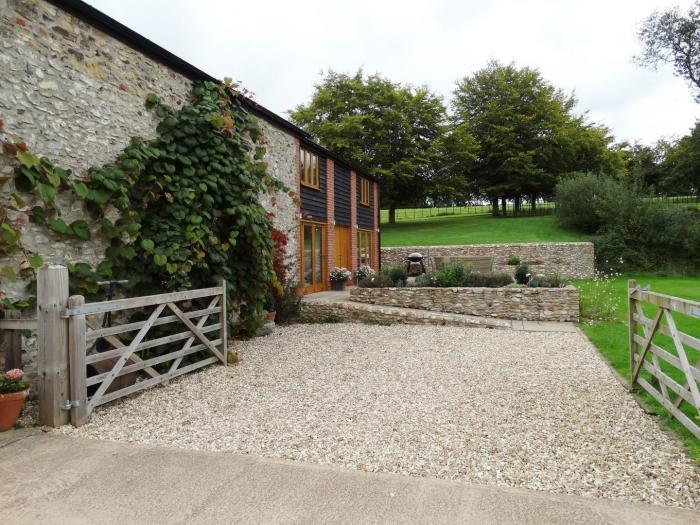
76 96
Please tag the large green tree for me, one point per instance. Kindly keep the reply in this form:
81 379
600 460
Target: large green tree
527 134
683 164
389 129
673 37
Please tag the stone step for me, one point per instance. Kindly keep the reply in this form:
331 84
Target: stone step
338 307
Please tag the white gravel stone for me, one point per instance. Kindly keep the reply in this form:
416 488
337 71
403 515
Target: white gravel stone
537 410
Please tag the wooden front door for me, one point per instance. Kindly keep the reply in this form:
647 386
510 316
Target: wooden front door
343 247
313 240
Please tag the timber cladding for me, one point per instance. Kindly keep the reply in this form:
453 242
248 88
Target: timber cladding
313 200
342 195
568 260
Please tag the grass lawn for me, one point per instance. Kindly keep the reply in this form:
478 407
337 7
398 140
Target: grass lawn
611 337
475 229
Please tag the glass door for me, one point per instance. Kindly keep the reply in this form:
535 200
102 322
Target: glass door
312 257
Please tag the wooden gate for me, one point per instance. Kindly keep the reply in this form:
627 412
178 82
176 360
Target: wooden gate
662 356
127 358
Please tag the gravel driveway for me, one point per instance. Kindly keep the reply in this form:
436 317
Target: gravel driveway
539 410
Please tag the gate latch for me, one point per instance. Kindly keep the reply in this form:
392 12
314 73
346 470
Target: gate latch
70 403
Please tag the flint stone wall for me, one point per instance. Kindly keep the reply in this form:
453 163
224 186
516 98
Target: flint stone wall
526 304
76 95
569 260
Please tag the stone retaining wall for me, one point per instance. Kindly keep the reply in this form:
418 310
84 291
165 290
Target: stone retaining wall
569 260
527 304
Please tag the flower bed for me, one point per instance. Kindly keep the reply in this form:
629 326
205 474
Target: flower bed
528 304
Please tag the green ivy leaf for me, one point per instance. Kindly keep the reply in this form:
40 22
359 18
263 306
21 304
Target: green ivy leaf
147 245
8 273
28 159
152 100
171 267
54 179
35 261
59 226
81 189
47 193
80 229
160 259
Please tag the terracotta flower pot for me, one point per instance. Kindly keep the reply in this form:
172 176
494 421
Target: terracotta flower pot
271 315
10 407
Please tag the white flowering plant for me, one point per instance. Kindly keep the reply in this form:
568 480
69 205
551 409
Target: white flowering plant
365 272
340 275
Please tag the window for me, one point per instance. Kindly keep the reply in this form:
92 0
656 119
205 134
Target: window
364 192
364 248
308 167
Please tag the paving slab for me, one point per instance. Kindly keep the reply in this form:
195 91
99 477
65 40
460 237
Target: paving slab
53 479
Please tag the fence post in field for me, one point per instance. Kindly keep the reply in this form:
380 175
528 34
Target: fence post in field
13 343
631 325
52 298
76 357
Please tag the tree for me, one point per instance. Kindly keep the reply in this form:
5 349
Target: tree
526 132
683 162
673 37
389 129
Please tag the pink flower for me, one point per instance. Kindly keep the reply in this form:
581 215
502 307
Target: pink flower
14 375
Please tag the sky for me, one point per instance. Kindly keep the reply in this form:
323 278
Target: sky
279 49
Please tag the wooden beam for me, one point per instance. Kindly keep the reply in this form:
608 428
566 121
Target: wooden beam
198 333
16 323
140 302
632 326
223 334
52 299
98 332
647 342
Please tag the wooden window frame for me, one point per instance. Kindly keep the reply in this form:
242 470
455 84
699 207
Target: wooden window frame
323 284
370 247
309 169
364 191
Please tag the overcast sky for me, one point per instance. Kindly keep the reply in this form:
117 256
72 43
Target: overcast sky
279 48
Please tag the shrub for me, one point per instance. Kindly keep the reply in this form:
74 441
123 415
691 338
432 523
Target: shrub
426 280
453 274
364 271
586 201
522 274
545 281
380 280
488 279
398 275
513 260
287 304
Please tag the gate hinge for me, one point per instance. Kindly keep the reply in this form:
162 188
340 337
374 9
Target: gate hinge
70 403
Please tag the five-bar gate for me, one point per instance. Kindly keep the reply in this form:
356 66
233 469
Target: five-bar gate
664 360
165 353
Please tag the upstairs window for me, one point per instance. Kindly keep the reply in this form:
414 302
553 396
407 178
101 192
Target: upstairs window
364 192
308 167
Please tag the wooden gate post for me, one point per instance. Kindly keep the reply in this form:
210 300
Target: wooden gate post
631 326
76 356
52 298
223 331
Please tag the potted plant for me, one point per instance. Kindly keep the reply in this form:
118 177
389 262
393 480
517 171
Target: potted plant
13 393
338 277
